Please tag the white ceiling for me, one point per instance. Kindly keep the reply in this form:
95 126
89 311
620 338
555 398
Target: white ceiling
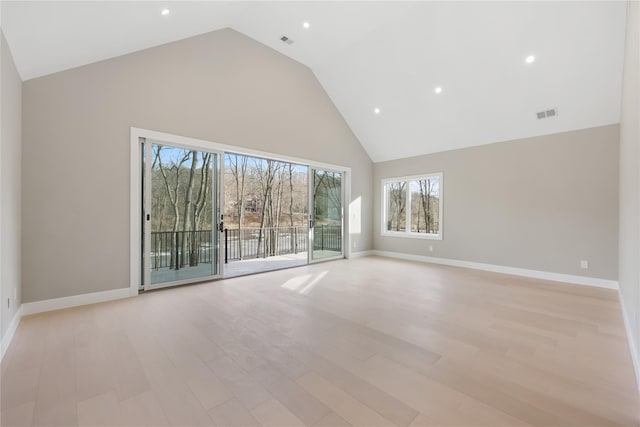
388 55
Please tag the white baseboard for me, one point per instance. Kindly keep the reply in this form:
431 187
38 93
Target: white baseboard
73 301
632 344
544 275
360 254
8 336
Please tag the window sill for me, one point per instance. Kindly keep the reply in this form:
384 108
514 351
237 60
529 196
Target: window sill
406 235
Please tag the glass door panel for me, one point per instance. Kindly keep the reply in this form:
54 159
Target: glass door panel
327 225
181 215
265 214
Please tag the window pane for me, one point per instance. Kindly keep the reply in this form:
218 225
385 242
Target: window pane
425 205
327 212
396 205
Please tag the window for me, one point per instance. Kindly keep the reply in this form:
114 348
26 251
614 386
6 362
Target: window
412 206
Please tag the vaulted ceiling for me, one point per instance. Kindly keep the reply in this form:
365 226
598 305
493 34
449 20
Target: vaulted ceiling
380 62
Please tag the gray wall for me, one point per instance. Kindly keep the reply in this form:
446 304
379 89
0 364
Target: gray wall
630 179
541 203
10 159
221 86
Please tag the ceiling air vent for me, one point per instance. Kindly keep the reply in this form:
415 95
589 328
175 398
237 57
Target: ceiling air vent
286 39
547 113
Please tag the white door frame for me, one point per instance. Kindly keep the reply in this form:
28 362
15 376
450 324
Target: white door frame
135 189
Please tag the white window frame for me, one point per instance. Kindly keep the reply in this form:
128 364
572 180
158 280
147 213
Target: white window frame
408 233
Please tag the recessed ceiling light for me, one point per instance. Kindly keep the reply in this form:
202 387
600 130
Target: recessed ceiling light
376 110
529 59
438 89
306 25
165 12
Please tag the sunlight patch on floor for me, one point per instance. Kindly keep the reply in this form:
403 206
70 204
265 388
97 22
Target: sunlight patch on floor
304 283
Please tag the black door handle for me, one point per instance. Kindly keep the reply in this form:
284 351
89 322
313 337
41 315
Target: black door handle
221 226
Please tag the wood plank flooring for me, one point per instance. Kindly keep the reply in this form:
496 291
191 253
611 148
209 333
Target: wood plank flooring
364 342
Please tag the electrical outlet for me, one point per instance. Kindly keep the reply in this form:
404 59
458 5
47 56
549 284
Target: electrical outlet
584 264
430 248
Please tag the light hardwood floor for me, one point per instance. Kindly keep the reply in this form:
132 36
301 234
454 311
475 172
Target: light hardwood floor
364 342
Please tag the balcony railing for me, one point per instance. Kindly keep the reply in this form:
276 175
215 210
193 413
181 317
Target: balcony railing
245 243
179 249
327 238
182 249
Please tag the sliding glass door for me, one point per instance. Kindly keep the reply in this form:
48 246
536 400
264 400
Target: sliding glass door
206 214
180 215
326 217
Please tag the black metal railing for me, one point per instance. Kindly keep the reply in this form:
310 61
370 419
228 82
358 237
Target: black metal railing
180 249
327 238
254 242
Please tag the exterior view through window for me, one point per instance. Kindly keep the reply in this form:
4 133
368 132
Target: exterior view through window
327 214
266 210
209 214
182 198
413 206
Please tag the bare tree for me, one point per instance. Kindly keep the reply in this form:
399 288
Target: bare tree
173 191
239 171
188 204
397 201
204 192
290 194
427 188
266 177
199 207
